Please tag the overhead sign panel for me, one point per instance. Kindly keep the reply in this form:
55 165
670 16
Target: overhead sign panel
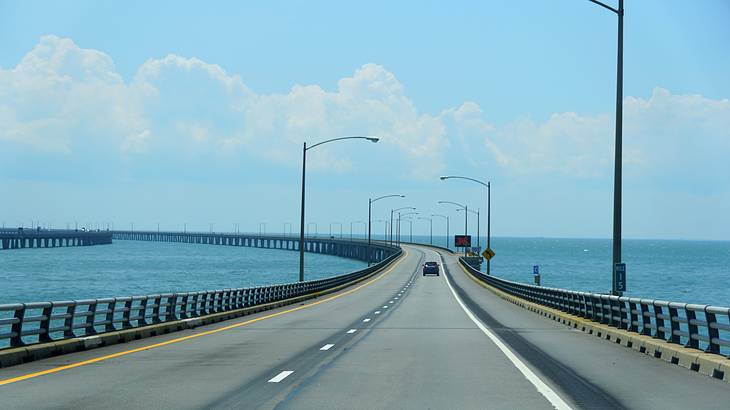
461 241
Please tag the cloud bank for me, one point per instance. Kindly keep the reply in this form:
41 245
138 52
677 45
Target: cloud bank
63 101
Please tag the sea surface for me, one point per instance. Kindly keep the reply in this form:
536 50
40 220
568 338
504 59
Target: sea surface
127 268
681 271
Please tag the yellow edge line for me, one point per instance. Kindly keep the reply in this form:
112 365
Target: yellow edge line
208 332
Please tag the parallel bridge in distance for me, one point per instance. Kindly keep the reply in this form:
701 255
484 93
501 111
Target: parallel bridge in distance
344 248
44 238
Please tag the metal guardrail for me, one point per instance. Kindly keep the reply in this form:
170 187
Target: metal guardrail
702 327
41 322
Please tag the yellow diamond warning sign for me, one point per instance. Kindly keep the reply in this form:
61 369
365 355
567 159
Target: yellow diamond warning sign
488 254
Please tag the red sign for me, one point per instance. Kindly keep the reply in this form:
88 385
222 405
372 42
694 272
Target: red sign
461 241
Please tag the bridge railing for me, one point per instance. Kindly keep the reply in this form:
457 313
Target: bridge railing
702 327
41 322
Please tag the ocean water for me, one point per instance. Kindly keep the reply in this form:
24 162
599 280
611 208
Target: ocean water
681 271
673 270
128 268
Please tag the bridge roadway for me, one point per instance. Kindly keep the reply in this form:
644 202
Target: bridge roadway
398 340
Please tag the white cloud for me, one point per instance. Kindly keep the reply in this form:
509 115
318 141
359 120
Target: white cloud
70 101
664 136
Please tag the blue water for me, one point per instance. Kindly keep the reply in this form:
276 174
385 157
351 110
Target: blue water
128 268
682 271
674 270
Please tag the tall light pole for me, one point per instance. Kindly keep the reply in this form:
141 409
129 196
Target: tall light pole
430 221
352 223
335 223
619 142
391 219
488 185
285 224
410 226
304 174
447 227
399 219
385 234
466 217
315 228
370 221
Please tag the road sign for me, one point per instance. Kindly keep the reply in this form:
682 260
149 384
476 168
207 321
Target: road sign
462 241
535 269
619 274
488 254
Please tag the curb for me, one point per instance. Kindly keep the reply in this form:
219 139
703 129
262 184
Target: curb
696 360
25 354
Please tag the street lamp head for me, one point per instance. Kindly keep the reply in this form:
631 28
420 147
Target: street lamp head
442 178
373 139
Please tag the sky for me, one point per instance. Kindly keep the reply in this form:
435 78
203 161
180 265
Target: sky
195 113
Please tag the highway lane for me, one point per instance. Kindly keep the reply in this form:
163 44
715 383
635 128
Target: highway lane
195 373
576 363
399 341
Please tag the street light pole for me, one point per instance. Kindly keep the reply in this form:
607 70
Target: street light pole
399 219
391 221
466 215
619 141
304 173
488 185
370 212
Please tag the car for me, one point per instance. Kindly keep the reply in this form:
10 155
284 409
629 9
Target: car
431 268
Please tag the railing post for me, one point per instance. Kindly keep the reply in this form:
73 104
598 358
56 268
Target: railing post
156 309
673 323
170 308
633 316
45 324
90 319
712 332
109 326
142 312
659 321
127 313
17 328
184 307
68 323
692 327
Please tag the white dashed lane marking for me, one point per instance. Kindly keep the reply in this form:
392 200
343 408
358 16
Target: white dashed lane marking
352 331
366 320
281 376
377 312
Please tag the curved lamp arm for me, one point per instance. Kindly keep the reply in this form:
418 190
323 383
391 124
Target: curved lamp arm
486 184
387 196
452 203
371 139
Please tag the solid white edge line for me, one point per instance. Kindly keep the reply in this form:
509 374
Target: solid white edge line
326 347
541 387
281 376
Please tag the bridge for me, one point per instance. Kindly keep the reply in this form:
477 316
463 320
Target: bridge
381 337
43 238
